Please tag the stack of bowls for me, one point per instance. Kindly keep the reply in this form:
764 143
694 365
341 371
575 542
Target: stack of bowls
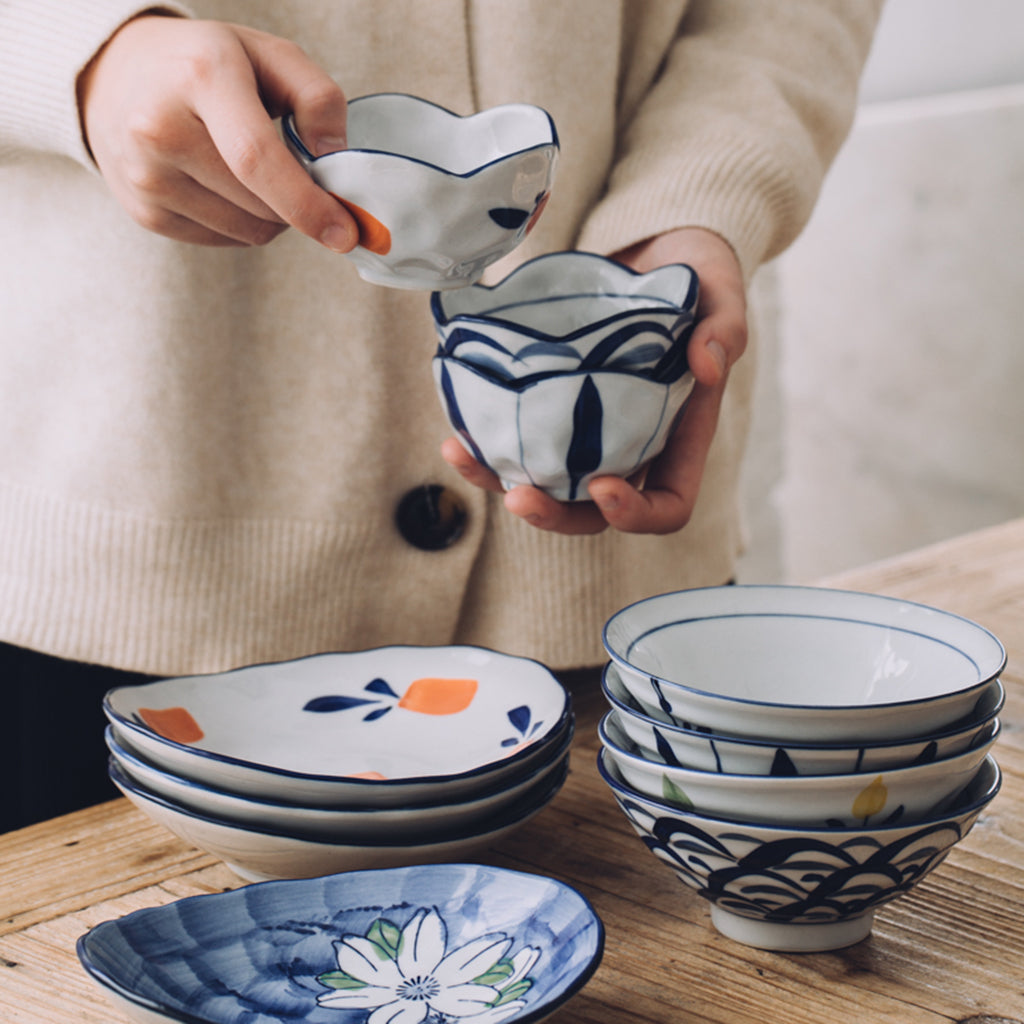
799 755
571 367
336 762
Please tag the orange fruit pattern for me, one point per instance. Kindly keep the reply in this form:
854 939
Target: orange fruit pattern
433 696
373 235
175 724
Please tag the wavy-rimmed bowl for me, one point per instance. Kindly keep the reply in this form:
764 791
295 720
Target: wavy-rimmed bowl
570 311
387 727
823 801
802 663
364 824
559 431
660 739
295 950
798 889
438 197
257 854
573 366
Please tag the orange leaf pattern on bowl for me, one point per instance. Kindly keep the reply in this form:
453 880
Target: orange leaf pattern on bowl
373 235
176 724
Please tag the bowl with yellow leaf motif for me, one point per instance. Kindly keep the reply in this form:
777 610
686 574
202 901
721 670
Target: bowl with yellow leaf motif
437 197
798 888
856 800
400 726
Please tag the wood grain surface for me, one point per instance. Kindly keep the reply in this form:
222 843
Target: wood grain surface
951 950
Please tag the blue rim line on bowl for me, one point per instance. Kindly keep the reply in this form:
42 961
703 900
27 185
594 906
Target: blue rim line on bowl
658 304
288 127
824 745
955 809
986 672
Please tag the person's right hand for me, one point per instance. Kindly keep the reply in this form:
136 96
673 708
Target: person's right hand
179 116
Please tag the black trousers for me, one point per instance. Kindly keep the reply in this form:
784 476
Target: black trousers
52 755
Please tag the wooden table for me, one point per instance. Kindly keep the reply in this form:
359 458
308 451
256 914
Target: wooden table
951 950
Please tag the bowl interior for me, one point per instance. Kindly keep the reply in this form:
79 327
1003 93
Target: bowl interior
803 646
561 292
297 950
384 714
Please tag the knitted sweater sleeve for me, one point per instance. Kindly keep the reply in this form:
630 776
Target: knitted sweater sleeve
44 45
739 128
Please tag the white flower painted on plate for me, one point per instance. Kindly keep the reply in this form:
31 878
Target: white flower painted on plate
405 976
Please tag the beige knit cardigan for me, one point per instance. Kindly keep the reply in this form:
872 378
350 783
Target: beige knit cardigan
201 450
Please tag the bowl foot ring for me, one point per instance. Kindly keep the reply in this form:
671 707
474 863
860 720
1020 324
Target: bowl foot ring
784 937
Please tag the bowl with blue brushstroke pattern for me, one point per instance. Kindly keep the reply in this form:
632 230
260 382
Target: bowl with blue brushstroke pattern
572 367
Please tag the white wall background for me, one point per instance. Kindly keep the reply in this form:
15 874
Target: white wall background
890 410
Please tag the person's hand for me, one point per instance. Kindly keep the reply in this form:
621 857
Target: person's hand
178 115
663 500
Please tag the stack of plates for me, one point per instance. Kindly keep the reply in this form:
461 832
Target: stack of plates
799 755
335 762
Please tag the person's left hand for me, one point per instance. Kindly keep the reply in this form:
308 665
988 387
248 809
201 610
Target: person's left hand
663 500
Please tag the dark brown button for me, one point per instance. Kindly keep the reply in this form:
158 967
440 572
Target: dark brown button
431 517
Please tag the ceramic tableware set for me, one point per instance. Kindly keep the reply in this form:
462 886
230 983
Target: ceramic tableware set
390 756
799 756
571 366
350 786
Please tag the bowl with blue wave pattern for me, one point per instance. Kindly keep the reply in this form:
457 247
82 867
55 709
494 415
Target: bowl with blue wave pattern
798 888
437 197
665 740
447 942
572 367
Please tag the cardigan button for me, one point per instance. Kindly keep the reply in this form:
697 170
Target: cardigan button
431 517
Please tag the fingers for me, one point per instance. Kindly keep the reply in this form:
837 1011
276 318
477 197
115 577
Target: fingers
291 83
545 513
247 140
467 467
174 113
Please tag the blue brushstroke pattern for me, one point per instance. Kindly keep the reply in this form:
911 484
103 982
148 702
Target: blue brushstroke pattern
585 451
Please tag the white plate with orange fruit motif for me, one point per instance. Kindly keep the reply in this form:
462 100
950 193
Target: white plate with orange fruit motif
389 726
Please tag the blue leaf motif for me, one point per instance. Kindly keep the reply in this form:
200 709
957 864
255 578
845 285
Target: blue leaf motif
380 686
585 451
376 713
508 216
520 718
455 415
336 702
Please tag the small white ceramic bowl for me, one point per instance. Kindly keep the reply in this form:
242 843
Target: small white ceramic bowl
364 824
514 945
822 801
798 889
570 311
573 366
387 727
260 853
802 663
438 197
659 739
561 431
